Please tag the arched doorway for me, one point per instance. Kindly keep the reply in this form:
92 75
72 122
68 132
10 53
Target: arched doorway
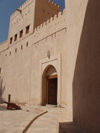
49 86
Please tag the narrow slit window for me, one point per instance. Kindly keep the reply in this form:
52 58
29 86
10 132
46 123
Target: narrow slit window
11 40
27 29
15 39
21 33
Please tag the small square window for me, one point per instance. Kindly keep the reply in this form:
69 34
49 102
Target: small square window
15 37
21 33
11 40
27 29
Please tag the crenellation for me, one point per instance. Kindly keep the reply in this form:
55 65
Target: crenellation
47 29
48 21
59 14
44 11
56 6
24 5
53 19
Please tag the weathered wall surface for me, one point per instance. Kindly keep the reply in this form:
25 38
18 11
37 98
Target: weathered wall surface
86 83
83 65
78 49
20 63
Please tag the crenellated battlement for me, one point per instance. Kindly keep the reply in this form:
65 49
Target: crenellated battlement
52 4
53 19
44 10
50 26
27 2
24 5
35 17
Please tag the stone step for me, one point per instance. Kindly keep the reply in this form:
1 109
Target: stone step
69 127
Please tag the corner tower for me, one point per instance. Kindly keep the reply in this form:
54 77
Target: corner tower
44 10
30 15
22 22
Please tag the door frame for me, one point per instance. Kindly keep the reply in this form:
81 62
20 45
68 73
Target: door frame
55 61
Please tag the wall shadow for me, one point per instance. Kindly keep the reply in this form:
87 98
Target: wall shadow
2 89
86 82
69 127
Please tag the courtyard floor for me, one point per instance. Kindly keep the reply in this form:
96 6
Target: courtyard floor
36 119
20 121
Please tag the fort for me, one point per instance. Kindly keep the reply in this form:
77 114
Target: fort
51 57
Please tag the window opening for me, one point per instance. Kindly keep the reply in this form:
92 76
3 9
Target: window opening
21 33
15 37
11 40
27 29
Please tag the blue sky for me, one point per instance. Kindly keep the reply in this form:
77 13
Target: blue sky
7 7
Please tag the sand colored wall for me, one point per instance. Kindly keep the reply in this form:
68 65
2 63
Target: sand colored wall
74 20
73 41
83 62
21 66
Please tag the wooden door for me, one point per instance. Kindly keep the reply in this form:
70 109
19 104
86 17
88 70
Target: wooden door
52 91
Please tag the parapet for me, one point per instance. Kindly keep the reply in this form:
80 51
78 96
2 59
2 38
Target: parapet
25 4
53 19
54 5
52 25
44 10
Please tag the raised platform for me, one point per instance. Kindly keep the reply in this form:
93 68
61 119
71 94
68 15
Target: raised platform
69 127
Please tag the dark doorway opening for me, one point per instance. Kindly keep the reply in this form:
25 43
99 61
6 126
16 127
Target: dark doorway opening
52 91
49 86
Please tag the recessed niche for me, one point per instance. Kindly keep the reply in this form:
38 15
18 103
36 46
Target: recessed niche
27 29
15 39
21 33
11 40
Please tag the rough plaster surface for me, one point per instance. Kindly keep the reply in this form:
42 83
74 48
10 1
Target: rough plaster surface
73 35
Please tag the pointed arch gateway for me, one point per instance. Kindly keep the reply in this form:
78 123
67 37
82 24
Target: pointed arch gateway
49 86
